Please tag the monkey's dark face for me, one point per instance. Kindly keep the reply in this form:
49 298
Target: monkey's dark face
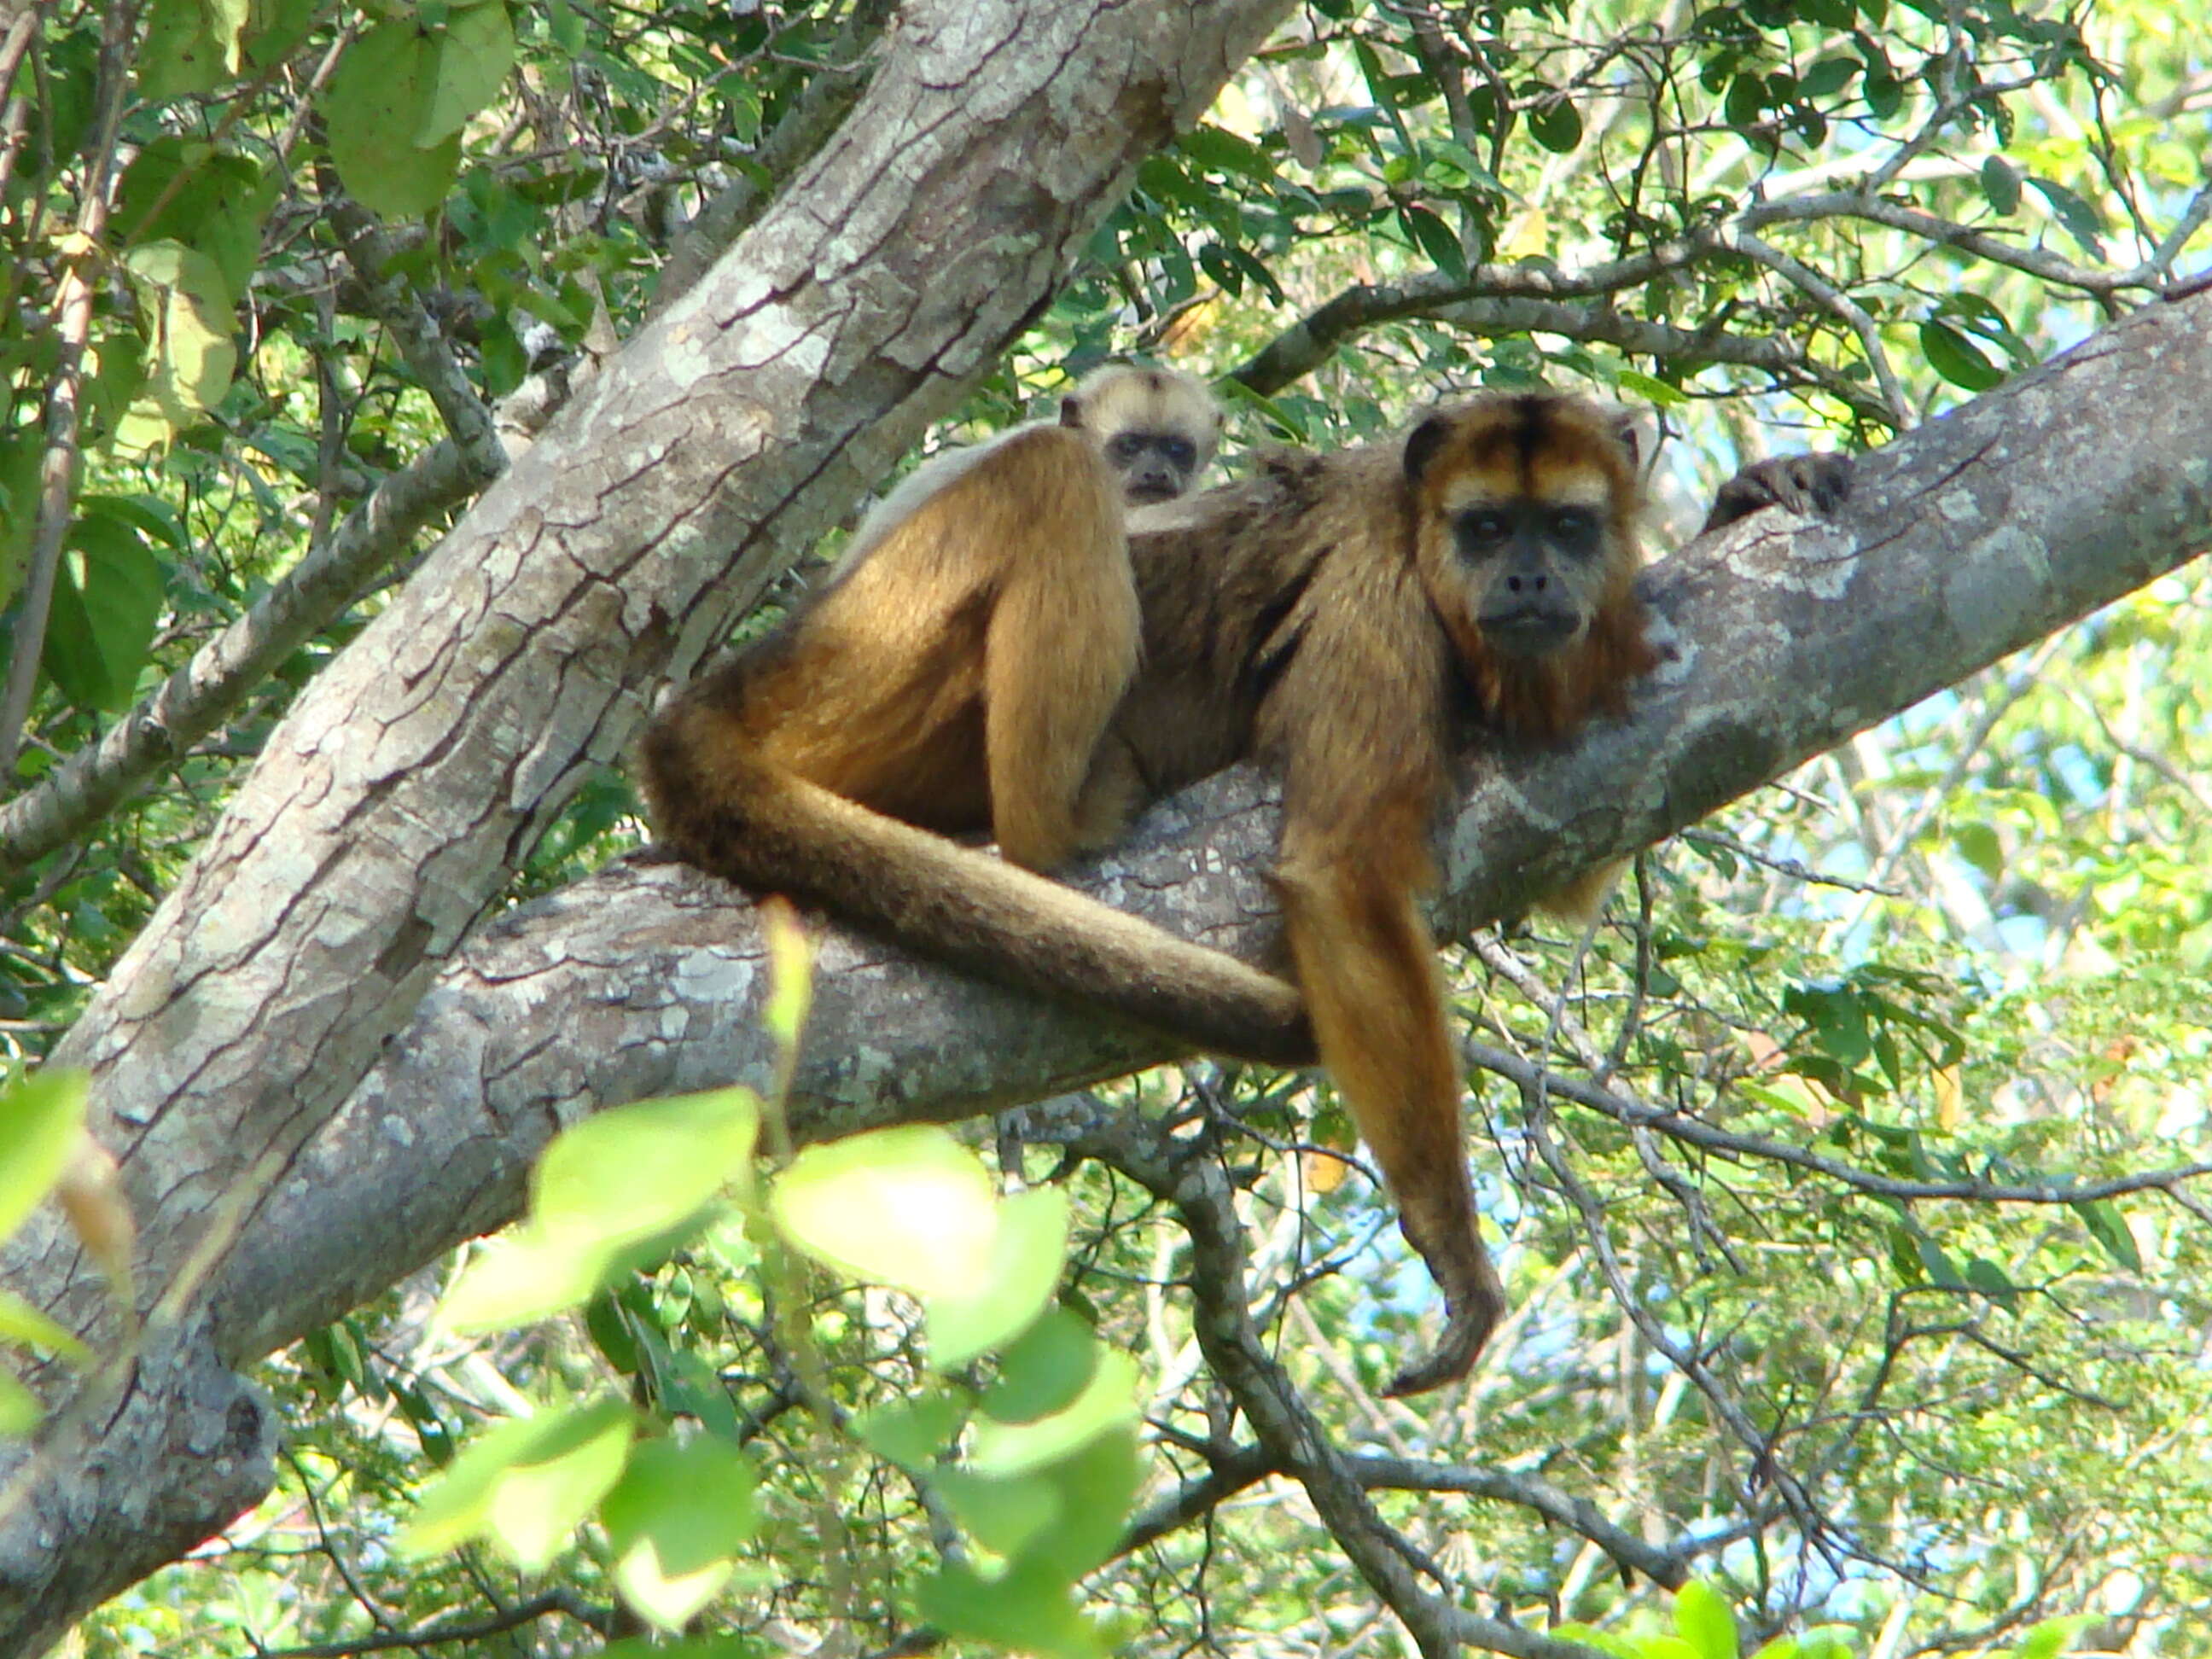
1532 567
1524 508
1153 466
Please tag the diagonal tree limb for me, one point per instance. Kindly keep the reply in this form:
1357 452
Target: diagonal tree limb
385 813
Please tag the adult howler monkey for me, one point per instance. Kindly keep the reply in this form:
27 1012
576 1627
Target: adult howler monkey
1338 617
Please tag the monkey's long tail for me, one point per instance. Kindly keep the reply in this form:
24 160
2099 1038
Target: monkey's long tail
773 832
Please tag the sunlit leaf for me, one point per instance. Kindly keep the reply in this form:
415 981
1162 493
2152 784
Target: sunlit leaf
40 1117
1110 1401
674 1522
1015 1285
19 1407
191 354
1704 1621
381 89
21 1322
473 56
189 47
910 1207
526 1485
628 1178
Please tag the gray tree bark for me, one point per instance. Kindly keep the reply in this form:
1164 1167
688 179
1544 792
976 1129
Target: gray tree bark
390 807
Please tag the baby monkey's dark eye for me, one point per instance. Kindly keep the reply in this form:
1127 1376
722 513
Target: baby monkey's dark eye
1178 452
1126 446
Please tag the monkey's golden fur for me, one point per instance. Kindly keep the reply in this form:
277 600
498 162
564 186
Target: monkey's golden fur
957 675
1339 616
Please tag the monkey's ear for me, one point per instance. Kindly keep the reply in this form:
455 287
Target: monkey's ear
1423 442
1626 434
1071 410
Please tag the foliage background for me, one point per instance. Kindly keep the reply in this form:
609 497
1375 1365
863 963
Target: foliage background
1970 947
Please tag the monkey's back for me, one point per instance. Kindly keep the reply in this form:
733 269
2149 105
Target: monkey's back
1235 581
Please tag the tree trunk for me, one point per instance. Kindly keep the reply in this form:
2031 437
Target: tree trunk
389 809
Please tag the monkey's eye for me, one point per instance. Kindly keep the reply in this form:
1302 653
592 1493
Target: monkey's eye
1178 452
1125 448
1575 528
1485 528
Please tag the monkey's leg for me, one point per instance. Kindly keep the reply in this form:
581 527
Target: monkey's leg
1062 650
1367 967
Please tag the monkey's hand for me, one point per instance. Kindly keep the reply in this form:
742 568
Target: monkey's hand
1813 485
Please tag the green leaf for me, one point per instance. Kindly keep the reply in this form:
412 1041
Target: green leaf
630 1174
1985 1276
1004 1513
674 1522
21 1322
2049 1639
1029 1610
914 1432
910 1207
108 594
1097 1486
616 1188
1590 1637
1829 77
185 190
19 1407
1435 239
473 56
1016 1285
191 46
183 296
1781 1647
1957 358
1651 390
1045 1371
1108 1403
383 87
2001 186
2110 1229
1557 126
1704 1621
525 1485
40 1117
2076 213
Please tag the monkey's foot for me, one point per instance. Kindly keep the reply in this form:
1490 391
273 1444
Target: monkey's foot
1467 1326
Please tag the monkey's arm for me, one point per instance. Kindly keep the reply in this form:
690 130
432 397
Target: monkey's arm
1361 785
1367 965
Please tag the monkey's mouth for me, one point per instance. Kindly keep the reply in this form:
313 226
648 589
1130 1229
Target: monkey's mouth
1145 492
1528 630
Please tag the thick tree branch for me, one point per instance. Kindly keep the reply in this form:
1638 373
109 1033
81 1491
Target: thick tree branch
386 812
